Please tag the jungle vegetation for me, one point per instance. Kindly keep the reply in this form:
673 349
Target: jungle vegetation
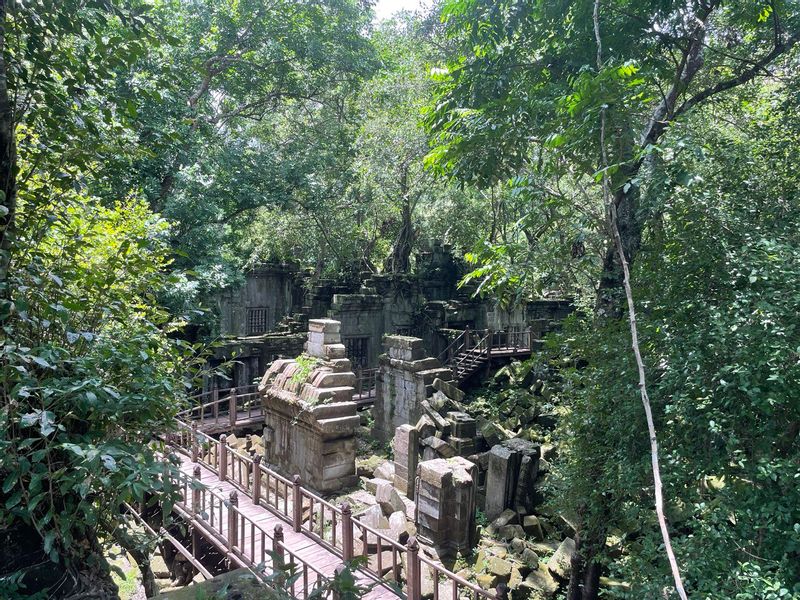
152 150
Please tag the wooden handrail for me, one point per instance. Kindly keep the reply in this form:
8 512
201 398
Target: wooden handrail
239 464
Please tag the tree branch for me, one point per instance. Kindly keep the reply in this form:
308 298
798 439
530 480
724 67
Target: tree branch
742 78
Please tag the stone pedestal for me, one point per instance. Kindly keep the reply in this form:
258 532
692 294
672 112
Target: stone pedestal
405 379
446 504
511 472
309 408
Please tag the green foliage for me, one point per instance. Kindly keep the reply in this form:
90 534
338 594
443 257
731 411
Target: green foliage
717 286
305 364
89 370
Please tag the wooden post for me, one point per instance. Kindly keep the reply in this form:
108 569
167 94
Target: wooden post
222 463
197 473
489 352
414 583
233 520
297 504
347 532
277 546
232 410
195 449
257 479
466 338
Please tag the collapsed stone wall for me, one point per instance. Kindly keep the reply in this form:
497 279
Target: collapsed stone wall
405 380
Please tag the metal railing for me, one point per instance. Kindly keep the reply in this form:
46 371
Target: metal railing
333 527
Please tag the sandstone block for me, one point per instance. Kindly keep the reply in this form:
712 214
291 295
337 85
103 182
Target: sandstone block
324 326
385 471
388 498
533 527
448 389
560 563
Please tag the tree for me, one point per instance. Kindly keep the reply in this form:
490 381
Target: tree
526 94
89 365
524 89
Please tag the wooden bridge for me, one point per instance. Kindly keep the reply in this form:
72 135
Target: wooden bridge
267 523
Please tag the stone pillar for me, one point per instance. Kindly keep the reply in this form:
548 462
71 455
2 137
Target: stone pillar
405 379
446 504
511 473
406 457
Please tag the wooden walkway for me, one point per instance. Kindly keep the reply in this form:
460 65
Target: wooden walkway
253 529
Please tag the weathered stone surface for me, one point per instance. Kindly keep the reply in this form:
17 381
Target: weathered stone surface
446 504
533 527
560 563
530 558
442 448
499 567
487 581
373 517
511 475
492 433
509 532
500 480
365 467
462 425
385 471
448 389
371 485
540 579
425 426
462 446
404 379
406 458
388 498
310 415
324 325
507 517
439 421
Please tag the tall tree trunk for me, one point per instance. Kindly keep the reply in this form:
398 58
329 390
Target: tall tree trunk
8 170
400 258
610 295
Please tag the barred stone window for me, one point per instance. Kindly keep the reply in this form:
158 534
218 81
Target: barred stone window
356 349
256 320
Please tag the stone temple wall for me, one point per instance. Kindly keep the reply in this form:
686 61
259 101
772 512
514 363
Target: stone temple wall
310 413
405 380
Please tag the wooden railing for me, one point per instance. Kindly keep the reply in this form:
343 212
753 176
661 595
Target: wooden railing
163 533
331 526
472 345
232 405
245 542
366 382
